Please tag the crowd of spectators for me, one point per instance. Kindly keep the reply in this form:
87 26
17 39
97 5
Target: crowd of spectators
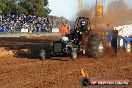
15 23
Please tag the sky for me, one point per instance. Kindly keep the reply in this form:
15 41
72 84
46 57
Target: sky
69 8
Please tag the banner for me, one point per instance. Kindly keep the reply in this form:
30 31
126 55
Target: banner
55 30
100 10
24 30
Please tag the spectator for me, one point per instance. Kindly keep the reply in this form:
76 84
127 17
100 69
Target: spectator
38 24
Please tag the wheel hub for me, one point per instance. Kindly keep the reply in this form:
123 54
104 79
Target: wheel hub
100 48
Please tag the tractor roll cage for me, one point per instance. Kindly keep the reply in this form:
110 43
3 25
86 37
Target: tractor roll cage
79 20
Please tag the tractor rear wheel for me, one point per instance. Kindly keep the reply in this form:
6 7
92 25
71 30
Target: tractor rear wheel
96 47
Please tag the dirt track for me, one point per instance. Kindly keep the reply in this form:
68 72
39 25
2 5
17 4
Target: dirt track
24 70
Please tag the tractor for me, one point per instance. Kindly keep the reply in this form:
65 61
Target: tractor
80 40
125 37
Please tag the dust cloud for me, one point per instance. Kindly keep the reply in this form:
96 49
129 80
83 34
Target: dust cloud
117 13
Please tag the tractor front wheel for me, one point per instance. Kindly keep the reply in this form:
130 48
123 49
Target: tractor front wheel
42 54
96 47
74 54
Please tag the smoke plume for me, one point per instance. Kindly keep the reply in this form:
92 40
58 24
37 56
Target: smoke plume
117 14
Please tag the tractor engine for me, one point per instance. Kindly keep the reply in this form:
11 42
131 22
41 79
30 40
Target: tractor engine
64 47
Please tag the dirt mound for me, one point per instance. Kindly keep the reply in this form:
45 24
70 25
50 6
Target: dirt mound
32 45
6 53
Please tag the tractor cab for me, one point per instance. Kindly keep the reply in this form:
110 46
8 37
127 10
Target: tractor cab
82 26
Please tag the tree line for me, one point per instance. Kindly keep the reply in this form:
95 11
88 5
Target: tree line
27 7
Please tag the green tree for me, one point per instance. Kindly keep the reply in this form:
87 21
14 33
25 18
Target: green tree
2 6
28 7
36 7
